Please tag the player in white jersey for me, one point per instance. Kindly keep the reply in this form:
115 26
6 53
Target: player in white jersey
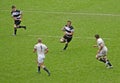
41 50
102 51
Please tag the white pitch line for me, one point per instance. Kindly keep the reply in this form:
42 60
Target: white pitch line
72 13
91 38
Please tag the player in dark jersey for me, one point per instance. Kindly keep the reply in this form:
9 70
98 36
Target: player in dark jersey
17 17
68 34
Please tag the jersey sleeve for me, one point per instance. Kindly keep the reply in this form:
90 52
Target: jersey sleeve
72 29
45 47
99 42
35 47
64 28
12 14
20 12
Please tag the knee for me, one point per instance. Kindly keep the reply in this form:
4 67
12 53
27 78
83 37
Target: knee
97 57
62 40
42 66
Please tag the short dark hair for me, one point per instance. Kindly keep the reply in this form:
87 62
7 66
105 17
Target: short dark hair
13 6
97 36
69 21
39 40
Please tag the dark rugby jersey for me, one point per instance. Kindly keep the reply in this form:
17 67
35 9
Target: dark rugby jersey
16 14
68 30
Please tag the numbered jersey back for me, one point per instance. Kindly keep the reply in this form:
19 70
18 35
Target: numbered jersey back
40 48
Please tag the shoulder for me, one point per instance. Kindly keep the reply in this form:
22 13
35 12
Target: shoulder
11 12
37 44
99 40
17 10
44 45
71 27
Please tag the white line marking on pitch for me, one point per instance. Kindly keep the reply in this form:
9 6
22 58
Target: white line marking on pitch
61 36
72 13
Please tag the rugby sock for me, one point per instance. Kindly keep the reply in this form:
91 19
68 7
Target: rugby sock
102 60
108 62
22 27
47 70
15 31
38 68
66 45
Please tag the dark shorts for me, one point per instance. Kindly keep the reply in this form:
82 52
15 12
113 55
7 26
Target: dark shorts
67 38
17 22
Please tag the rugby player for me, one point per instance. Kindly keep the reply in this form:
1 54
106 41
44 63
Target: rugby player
102 51
17 17
68 34
41 50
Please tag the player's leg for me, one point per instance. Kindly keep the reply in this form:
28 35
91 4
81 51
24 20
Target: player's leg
41 63
38 67
107 62
15 29
66 45
43 66
67 41
38 62
18 24
98 57
62 40
104 53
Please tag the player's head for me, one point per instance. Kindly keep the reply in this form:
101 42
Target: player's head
69 22
13 7
97 36
39 40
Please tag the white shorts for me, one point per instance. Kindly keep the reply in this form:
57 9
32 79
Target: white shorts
40 60
102 53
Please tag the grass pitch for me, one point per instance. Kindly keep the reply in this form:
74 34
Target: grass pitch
44 19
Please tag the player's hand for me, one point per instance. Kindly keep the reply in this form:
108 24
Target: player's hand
98 51
65 33
94 45
15 18
20 19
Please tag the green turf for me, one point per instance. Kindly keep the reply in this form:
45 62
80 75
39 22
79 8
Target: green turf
75 65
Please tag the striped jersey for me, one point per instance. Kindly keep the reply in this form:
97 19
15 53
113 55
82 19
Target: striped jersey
16 14
68 30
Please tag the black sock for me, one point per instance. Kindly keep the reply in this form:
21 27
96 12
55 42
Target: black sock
66 45
102 60
15 31
47 70
38 68
22 27
109 63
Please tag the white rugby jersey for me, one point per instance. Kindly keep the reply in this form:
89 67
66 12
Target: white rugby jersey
99 42
40 49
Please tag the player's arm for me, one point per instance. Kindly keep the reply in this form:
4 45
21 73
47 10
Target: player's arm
95 46
21 15
63 29
46 50
70 33
34 50
14 18
101 47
